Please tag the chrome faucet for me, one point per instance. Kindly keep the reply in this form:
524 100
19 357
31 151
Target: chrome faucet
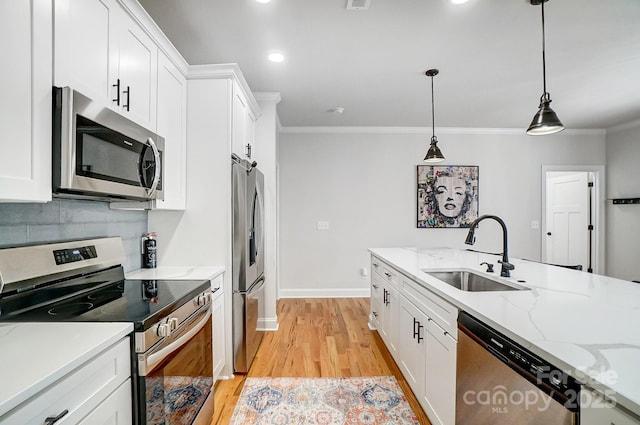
471 238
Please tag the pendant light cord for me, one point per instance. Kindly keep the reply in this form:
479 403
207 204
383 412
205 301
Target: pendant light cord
544 62
433 114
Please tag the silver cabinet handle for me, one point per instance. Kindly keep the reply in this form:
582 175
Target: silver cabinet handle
387 274
53 419
375 286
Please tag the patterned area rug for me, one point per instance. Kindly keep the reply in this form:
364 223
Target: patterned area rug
323 401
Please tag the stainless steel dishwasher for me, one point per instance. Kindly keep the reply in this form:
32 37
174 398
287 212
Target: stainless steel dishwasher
500 382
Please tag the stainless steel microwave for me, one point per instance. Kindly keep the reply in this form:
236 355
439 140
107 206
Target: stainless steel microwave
99 154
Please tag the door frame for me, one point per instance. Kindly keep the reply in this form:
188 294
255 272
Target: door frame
598 204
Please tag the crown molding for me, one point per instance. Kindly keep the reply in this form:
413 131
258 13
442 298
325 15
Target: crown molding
624 126
428 130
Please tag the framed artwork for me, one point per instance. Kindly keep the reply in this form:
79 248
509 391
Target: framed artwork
447 196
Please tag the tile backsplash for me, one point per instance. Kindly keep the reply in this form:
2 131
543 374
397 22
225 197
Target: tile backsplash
64 219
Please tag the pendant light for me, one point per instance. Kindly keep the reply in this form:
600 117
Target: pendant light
545 121
433 154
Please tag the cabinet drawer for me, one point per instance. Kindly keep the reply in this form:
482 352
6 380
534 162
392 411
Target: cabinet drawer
376 265
390 275
443 313
79 392
115 410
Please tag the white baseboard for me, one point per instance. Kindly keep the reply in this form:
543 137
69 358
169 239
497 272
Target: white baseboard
325 293
268 324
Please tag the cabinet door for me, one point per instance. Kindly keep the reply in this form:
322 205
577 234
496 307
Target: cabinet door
218 335
137 70
115 410
412 342
83 56
172 114
439 399
375 302
25 104
250 136
240 116
390 313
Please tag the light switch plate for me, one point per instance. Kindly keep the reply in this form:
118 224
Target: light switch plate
535 224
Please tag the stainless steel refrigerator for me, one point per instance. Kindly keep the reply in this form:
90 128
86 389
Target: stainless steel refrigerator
248 260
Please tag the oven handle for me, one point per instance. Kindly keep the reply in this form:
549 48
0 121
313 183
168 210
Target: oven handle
149 360
158 167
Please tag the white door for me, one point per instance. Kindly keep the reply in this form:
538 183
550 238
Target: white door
567 233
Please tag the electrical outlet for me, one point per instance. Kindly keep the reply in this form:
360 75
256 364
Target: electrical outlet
323 225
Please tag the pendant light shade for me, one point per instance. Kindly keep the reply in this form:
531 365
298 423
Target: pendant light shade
434 154
545 121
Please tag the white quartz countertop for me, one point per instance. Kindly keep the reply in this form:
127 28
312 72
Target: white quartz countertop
35 355
586 324
177 273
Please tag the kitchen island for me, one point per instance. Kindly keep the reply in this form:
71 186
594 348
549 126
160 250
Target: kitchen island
581 322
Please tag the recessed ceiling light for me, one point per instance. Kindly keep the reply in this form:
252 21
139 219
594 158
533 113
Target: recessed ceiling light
263 1
276 57
459 1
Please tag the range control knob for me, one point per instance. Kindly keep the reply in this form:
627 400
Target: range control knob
164 329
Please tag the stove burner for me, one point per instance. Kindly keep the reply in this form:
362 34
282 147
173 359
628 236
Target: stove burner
98 297
69 309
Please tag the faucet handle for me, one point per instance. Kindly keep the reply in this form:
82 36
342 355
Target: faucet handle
489 266
506 265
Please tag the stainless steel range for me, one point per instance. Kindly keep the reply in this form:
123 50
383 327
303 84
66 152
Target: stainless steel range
172 366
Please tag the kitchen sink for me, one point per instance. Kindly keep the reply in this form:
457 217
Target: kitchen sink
469 281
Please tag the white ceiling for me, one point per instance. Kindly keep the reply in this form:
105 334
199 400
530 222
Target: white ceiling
372 63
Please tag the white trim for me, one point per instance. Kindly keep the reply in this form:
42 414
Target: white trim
428 130
325 293
268 324
624 126
599 188
268 96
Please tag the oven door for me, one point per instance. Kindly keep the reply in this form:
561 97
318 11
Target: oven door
175 376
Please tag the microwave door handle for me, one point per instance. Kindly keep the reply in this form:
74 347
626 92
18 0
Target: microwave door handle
156 157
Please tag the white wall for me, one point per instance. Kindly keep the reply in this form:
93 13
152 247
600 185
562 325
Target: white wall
623 181
364 185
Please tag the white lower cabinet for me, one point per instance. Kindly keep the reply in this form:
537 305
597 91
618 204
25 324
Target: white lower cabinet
98 392
425 342
115 410
412 334
389 321
376 304
219 347
439 398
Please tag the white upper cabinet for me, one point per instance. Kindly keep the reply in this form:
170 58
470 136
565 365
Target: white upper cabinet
25 104
103 53
244 123
172 117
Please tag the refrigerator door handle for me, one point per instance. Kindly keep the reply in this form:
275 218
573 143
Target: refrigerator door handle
257 286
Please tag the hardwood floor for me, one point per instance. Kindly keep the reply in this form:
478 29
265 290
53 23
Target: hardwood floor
317 338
